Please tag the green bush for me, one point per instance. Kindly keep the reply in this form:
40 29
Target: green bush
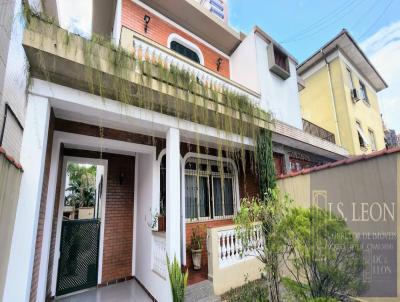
177 279
255 291
325 253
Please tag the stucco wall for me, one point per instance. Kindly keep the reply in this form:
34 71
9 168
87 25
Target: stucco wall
244 64
147 169
227 277
369 115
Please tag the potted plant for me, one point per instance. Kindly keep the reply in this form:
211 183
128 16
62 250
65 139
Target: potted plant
161 218
196 247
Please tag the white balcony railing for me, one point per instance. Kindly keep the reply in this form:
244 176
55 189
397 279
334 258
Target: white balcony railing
230 262
153 50
159 261
231 248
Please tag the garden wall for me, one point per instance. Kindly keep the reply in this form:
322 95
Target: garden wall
365 191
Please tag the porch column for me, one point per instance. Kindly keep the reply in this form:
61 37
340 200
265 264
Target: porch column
173 195
33 153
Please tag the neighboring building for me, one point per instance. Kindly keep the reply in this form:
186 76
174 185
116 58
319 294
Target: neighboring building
341 95
391 138
158 155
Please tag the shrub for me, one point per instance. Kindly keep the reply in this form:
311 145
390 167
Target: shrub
324 257
177 279
255 291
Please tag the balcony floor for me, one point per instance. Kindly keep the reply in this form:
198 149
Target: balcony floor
126 291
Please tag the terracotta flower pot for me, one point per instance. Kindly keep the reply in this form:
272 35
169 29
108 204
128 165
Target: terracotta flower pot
161 224
196 257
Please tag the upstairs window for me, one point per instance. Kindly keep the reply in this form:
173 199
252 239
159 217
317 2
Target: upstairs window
184 51
278 61
361 137
372 139
363 92
351 83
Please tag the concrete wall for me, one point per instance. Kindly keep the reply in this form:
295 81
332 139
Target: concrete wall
366 194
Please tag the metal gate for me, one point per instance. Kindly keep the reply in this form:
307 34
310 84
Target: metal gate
79 250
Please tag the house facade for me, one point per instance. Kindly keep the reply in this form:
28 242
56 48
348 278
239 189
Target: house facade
169 110
341 95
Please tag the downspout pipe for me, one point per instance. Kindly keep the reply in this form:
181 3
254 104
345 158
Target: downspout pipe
332 97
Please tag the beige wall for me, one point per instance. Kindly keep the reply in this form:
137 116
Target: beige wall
372 182
10 178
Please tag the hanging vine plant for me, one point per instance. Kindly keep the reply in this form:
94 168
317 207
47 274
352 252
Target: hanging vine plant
142 79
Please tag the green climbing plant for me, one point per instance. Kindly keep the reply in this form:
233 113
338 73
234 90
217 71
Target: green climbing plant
265 162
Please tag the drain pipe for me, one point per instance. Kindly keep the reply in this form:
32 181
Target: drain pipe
332 97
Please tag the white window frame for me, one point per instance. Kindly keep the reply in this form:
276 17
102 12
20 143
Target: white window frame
177 38
192 157
371 134
363 136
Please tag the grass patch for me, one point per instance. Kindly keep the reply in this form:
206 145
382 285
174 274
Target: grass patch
254 291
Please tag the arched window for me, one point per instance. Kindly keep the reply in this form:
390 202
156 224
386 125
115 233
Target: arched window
185 48
184 51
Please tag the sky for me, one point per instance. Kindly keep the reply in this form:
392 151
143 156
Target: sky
302 27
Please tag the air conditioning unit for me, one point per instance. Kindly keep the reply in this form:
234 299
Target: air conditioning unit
355 95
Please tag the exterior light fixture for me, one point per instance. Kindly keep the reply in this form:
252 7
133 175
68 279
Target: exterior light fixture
146 22
121 178
219 62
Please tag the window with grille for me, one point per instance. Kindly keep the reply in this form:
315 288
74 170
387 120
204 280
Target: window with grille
209 190
184 51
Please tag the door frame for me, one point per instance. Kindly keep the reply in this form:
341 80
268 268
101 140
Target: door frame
81 142
79 160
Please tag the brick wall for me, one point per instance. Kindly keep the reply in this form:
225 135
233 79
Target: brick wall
118 232
159 31
42 212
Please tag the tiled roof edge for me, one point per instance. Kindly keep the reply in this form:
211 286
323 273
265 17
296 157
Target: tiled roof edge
342 162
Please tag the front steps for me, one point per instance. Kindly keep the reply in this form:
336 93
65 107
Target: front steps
201 292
